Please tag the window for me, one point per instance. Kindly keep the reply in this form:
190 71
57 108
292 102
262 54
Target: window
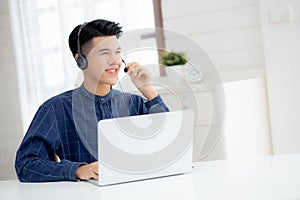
41 30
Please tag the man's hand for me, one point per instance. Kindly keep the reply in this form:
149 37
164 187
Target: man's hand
88 171
141 77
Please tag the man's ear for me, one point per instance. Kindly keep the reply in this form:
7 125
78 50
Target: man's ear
76 56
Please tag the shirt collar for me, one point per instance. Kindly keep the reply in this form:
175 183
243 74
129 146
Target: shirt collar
92 97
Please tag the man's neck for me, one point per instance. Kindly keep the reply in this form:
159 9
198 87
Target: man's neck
97 89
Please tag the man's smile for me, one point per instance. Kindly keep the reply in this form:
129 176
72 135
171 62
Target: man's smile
112 70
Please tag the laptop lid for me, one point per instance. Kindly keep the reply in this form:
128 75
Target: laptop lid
145 146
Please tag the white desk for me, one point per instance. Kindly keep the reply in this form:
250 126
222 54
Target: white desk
274 177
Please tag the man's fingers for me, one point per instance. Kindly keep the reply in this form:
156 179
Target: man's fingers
87 171
91 175
94 176
142 72
138 71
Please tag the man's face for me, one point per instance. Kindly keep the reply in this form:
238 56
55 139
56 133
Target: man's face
104 60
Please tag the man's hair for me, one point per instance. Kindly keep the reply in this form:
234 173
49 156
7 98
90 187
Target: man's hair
99 27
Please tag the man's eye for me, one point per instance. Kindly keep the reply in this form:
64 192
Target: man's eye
118 52
103 53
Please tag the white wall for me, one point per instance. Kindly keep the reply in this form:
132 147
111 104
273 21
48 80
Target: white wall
281 31
10 118
229 30
247 104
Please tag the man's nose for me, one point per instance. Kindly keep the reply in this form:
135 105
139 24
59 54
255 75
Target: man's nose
115 60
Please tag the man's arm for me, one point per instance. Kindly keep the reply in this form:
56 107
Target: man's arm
35 159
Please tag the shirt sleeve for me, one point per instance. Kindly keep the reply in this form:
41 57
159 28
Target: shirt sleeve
35 158
156 105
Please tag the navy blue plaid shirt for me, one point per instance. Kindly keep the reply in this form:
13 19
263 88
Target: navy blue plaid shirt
66 125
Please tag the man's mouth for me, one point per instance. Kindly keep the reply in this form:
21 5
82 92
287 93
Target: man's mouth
111 70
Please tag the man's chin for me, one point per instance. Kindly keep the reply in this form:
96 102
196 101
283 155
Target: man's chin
111 83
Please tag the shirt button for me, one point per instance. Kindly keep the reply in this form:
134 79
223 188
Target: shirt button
103 99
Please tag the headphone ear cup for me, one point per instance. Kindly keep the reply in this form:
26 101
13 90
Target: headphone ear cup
81 62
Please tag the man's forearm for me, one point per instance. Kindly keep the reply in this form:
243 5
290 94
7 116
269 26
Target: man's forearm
41 170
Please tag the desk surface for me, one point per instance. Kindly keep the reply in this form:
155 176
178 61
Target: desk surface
271 177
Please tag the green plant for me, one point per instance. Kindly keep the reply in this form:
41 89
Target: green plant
172 58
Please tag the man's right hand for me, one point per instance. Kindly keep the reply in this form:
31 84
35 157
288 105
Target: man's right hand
88 171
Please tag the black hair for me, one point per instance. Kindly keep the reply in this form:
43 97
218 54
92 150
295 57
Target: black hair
99 27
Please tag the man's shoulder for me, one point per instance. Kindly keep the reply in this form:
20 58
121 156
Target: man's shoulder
59 100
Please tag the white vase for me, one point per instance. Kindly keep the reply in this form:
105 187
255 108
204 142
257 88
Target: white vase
175 74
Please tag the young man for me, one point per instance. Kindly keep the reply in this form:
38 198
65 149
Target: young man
66 125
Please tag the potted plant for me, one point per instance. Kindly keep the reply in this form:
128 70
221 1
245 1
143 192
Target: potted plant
172 58
173 62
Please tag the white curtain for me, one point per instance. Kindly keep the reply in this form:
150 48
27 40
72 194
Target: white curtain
41 30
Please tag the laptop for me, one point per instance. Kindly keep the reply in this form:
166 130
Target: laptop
144 147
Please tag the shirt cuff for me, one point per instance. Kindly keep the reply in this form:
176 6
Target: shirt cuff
153 102
71 168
